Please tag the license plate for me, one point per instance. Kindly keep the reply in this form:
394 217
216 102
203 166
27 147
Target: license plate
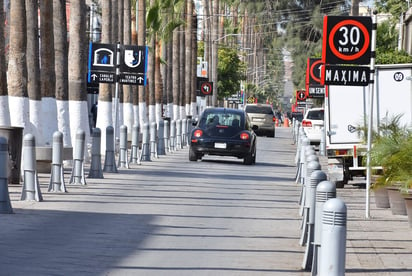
220 145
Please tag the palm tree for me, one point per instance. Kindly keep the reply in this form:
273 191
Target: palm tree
17 68
79 118
128 115
33 75
188 55
104 114
141 40
61 68
47 73
4 101
153 22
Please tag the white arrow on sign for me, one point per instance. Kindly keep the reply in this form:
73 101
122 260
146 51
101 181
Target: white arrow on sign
140 80
94 77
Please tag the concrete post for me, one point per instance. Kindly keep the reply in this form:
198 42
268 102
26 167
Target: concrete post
311 166
110 159
5 203
31 188
153 140
96 163
77 176
324 191
316 177
135 155
167 135
123 157
173 135
145 142
161 138
57 173
333 240
179 144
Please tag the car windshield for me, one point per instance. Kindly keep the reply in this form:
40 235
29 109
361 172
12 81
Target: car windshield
315 115
259 109
223 119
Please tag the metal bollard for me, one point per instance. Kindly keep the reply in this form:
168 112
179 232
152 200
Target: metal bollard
308 156
57 173
110 159
96 163
179 134
167 135
184 132
333 240
173 135
77 176
31 188
161 138
312 166
324 191
322 145
134 154
316 177
153 140
123 157
145 142
5 203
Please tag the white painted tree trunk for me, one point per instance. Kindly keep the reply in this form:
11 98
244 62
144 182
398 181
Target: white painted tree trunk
176 112
128 116
159 112
136 116
194 111
20 118
77 108
152 114
187 109
49 119
142 113
37 120
63 121
104 119
169 110
4 111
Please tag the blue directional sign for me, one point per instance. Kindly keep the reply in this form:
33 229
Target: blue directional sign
102 64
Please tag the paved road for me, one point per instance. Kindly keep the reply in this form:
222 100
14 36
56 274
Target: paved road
175 217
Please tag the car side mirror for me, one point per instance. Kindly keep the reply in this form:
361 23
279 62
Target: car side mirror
255 127
195 121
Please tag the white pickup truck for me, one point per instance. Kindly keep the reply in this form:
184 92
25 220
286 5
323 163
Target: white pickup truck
346 109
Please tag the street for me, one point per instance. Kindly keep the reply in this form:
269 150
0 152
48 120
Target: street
171 216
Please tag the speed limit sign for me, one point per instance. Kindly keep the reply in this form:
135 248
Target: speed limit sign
347 39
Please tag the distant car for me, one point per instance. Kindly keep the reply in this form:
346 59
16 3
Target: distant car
263 117
312 124
224 132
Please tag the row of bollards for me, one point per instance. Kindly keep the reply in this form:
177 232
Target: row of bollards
323 215
157 139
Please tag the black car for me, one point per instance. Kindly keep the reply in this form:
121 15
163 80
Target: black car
224 132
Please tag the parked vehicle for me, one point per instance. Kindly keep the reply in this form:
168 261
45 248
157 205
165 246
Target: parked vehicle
263 117
313 123
224 132
347 108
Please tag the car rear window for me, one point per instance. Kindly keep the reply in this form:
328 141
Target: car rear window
222 119
315 115
259 109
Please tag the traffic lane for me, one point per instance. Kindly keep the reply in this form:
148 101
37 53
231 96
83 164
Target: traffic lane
222 217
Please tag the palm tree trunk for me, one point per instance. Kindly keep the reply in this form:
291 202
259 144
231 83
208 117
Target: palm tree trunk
79 118
104 113
128 115
158 83
176 74
194 67
47 73
142 41
182 98
188 56
214 60
17 68
61 68
33 62
4 100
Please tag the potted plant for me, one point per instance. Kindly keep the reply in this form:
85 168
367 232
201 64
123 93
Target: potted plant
391 150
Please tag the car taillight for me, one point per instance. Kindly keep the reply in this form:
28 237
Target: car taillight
198 133
244 136
274 119
306 123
